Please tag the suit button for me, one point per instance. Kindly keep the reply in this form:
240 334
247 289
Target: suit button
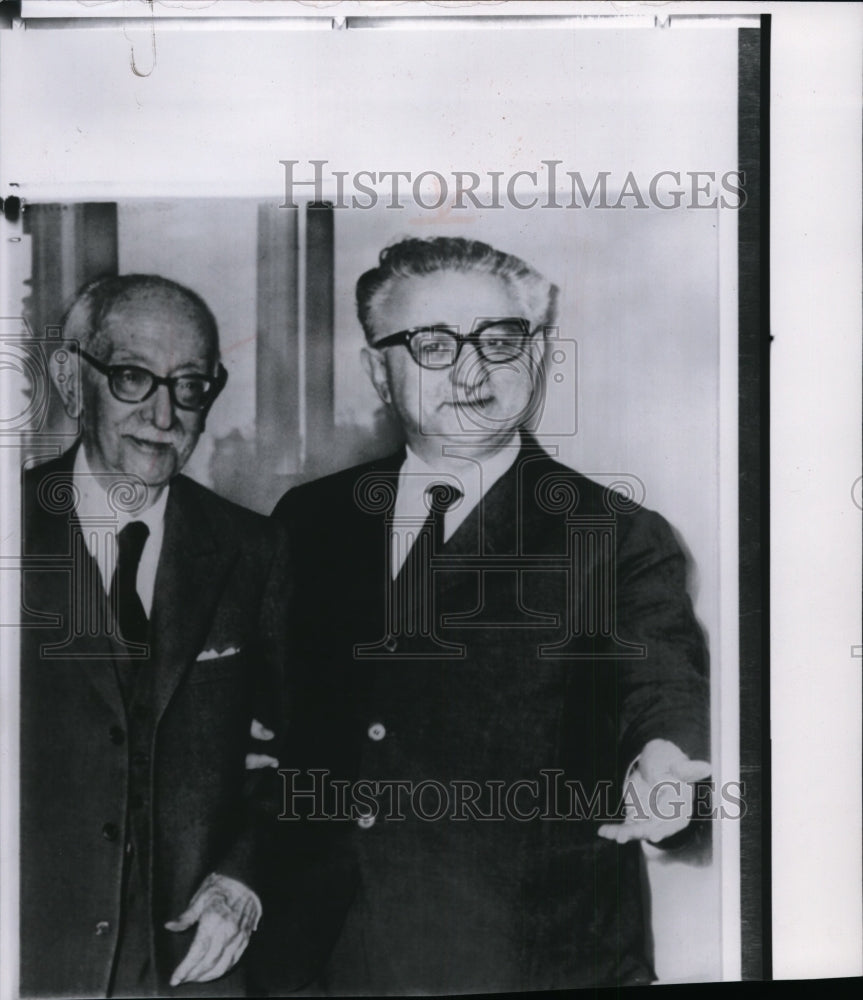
377 731
116 735
391 644
366 822
102 928
110 831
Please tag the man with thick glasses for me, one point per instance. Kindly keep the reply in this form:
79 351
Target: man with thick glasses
152 637
496 652
131 384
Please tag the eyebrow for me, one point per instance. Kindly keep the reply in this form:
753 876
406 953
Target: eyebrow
420 326
135 361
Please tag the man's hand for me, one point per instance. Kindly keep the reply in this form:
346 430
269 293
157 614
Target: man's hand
226 912
255 761
658 795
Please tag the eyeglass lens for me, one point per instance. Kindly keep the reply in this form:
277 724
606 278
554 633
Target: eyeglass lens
133 385
438 347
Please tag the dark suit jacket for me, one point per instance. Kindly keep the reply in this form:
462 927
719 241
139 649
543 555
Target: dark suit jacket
578 644
220 584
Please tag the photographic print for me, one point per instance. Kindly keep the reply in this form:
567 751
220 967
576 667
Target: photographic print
386 416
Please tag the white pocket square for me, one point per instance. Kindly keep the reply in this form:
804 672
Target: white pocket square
216 654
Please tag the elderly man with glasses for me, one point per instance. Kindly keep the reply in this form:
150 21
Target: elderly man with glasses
152 636
500 663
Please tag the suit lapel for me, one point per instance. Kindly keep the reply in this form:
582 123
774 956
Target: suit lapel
192 567
62 582
502 518
508 521
371 537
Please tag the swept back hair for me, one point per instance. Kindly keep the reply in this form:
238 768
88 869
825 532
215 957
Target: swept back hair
417 257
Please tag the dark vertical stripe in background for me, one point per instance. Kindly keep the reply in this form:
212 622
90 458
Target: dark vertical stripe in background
753 116
320 353
71 244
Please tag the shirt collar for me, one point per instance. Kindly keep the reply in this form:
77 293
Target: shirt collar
93 499
474 476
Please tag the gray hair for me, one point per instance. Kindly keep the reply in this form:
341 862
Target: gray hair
416 257
86 317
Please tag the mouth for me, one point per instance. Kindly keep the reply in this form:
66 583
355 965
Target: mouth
471 403
149 446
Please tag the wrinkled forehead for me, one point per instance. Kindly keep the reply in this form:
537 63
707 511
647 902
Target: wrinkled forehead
456 298
158 319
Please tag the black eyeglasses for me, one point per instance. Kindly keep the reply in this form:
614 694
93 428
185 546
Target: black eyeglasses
439 346
132 384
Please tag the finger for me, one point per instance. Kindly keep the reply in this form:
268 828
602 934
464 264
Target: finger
692 770
257 761
223 927
664 832
223 938
197 950
622 833
203 958
251 915
613 831
226 961
260 731
190 915
244 917
653 830
184 921
658 829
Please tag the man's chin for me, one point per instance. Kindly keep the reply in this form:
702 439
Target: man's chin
467 441
154 466
467 422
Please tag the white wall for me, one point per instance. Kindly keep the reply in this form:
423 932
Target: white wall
219 109
211 247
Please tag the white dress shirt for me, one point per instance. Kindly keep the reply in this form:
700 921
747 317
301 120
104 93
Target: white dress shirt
472 477
101 523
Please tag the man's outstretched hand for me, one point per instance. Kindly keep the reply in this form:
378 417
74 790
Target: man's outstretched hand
226 912
658 795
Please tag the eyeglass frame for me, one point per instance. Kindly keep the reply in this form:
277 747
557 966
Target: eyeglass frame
216 382
406 337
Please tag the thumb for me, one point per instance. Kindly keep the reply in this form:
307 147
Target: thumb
692 770
188 917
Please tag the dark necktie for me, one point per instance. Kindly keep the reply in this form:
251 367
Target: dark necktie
131 617
411 593
439 498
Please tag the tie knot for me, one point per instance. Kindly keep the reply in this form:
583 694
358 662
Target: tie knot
131 541
440 497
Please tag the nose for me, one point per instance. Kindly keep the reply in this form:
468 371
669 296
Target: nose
161 409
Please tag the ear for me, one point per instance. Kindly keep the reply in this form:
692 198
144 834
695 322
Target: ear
65 368
221 381
376 368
